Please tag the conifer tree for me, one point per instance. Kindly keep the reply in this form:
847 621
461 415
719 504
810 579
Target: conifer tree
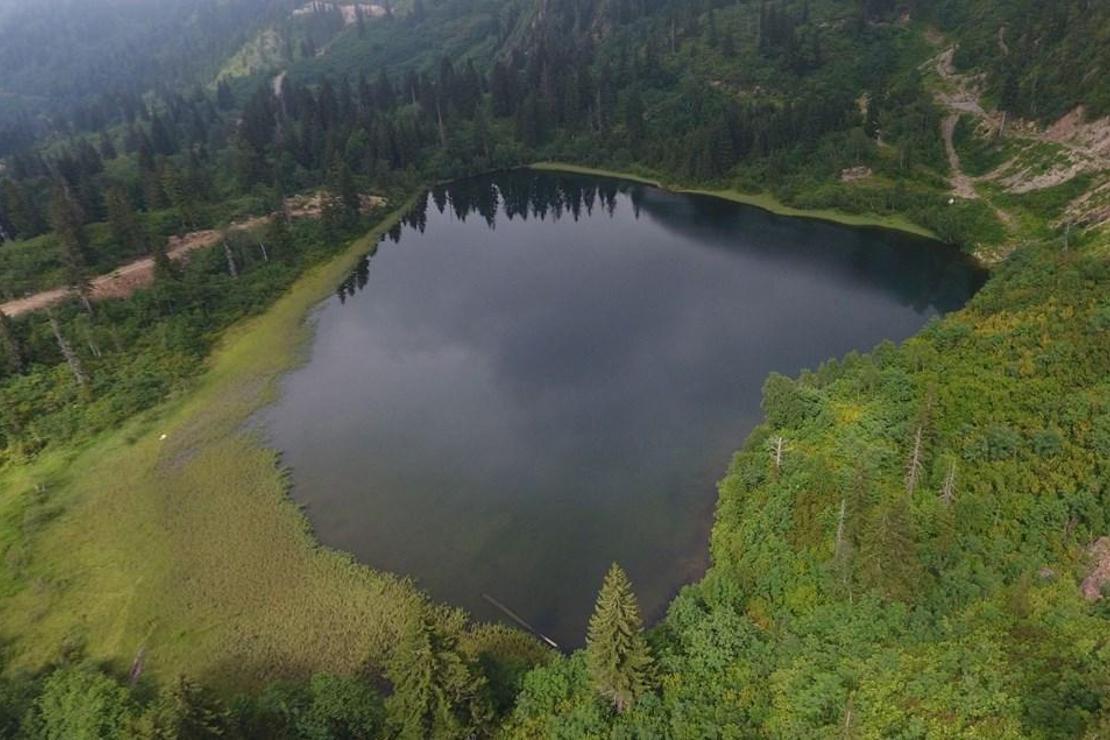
150 179
889 556
67 221
616 651
224 99
278 237
183 710
13 350
164 268
123 222
182 197
107 148
437 689
20 210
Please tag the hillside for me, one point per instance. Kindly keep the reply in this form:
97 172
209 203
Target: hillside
912 543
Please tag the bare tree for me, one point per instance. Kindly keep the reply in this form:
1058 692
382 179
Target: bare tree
71 357
915 467
948 490
231 268
840 528
778 444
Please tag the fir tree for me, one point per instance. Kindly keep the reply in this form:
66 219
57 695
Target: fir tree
437 689
123 222
616 651
164 268
224 99
68 221
888 552
277 236
20 210
13 350
345 189
181 195
184 710
107 148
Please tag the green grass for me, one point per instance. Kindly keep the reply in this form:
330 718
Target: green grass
188 547
766 201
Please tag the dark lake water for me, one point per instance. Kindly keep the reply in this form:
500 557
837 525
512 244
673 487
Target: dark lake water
541 374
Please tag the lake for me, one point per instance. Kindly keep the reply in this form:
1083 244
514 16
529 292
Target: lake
540 374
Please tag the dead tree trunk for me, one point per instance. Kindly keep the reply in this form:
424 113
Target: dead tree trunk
439 121
71 357
948 490
840 528
914 467
265 254
83 294
231 268
777 446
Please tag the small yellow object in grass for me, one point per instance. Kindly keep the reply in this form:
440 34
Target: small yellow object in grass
163 437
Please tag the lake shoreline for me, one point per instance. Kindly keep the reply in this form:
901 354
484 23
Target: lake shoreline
130 473
763 201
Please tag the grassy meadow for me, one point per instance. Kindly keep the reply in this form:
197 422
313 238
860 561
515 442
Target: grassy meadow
174 537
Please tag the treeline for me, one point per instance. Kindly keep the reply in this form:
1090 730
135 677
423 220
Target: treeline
441 681
435 685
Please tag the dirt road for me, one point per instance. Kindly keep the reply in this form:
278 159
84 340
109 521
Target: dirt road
125 280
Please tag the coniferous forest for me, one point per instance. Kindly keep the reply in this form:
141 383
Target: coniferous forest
913 542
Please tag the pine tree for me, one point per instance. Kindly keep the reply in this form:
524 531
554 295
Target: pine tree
634 115
437 689
278 237
331 215
164 267
20 210
224 99
107 148
123 222
184 710
182 197
68 221
13 350
889 554
150 179
346 191
616 651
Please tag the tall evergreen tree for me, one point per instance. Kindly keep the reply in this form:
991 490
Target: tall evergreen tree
67 221
123 222
181 195
617 653
20 210
9 342
183 711
438 691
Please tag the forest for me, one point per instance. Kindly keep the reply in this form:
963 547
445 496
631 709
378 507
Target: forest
901 547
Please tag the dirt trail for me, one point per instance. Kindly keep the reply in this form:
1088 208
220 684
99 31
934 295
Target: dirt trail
126 279
960 95
962 185
1087 142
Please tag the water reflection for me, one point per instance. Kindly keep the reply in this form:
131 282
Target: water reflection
542 374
